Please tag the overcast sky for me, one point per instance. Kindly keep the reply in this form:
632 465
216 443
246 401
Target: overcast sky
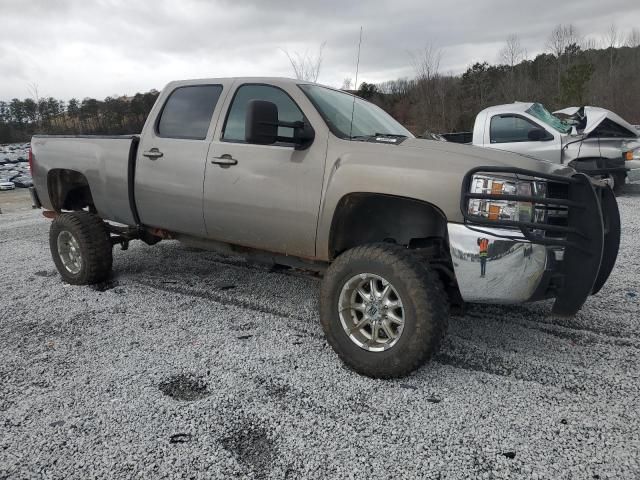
97 48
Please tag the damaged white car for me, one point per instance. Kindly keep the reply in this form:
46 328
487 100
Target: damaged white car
592 140
607 132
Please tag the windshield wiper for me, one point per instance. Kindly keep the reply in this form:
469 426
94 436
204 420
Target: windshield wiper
393 135
368 137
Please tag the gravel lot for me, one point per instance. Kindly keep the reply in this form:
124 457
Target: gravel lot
12 201
191 364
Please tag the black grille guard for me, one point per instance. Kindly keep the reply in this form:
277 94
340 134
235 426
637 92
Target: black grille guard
590 238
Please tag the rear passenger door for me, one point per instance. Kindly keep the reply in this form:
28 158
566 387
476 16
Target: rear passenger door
172 157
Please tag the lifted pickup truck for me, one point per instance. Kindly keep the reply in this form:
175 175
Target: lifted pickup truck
591 140
306 176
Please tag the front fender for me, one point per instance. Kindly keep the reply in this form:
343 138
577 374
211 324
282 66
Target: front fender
347 175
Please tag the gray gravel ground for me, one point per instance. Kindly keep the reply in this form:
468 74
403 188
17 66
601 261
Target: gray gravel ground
190 364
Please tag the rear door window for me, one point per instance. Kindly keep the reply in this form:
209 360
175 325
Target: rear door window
187 112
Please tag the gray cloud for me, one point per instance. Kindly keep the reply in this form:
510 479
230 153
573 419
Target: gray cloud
78 48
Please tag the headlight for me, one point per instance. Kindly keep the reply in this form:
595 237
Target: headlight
500 209
632 154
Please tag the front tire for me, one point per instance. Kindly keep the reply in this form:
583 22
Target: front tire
383 310
619 180
81 248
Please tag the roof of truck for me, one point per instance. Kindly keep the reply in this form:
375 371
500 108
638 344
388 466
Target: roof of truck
514 107
267 80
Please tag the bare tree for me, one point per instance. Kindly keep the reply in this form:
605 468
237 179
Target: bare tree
557 41
562 36
556 44
611 39
33 91
512 53
346 83
426 64
633 39
589 43
306 66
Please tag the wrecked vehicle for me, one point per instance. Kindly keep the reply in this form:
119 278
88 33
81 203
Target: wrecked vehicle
301 175
592 140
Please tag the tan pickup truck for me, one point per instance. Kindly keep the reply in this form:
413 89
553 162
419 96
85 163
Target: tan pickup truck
306 176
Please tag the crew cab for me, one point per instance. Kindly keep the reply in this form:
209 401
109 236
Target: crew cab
306 176
592 140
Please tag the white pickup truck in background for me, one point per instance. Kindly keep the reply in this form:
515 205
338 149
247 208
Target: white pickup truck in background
592 140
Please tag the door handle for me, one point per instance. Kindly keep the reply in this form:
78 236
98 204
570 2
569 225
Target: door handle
224 161
153 154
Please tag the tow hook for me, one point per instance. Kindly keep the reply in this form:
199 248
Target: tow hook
123 242
603 182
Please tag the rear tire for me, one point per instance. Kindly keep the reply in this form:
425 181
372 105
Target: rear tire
81 248
352 294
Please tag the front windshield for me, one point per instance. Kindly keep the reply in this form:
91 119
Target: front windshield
544 115
336 108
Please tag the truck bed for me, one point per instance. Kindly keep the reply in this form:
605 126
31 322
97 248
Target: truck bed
458 137
107 162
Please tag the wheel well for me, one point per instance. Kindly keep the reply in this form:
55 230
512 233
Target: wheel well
362 218
69 190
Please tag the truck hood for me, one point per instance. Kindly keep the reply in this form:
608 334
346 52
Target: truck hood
462 158
592 117
421 169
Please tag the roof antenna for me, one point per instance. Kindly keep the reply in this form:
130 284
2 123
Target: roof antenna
353 107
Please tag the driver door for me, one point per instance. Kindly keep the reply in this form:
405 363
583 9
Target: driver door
263 196
511 133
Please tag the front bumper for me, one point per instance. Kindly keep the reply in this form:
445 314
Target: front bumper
600 167
633 170
568 256
512 272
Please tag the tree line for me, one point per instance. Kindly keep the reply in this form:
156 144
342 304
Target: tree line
572 71
20 119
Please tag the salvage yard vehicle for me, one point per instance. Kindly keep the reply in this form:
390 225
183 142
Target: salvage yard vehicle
6 184
591 140
305 176
22 181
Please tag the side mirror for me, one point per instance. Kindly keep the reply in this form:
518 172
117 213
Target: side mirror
261 123
261 126
537 134
303 135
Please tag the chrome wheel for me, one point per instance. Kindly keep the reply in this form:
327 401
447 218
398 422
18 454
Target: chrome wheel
69 252
371 312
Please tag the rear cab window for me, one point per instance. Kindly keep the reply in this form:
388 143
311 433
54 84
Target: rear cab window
187 112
